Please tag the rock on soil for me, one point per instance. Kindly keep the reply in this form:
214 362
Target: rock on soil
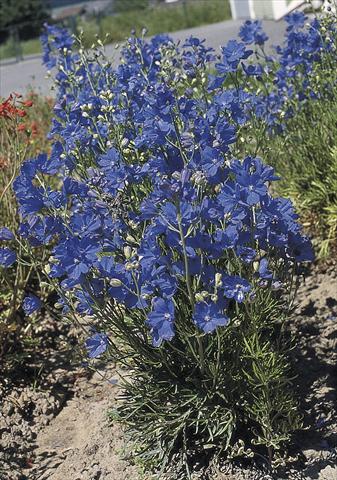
60 429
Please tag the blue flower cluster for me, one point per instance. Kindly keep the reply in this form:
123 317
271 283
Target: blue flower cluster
290 74
141 197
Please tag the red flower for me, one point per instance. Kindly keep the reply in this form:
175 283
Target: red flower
27 103
20 112
22 127
8 108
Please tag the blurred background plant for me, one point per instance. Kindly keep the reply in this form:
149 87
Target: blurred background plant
24 124
116 20
156 18
20 26
305 156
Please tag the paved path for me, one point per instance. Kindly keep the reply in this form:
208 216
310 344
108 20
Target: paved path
30 72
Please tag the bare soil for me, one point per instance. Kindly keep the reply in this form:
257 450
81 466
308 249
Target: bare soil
56 427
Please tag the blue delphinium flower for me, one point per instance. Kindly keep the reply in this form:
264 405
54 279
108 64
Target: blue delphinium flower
235 287
97 344
7 257
161 321
295 20
232 54
76 256
251 32
253 70
6 234
31 304
264 272
207 317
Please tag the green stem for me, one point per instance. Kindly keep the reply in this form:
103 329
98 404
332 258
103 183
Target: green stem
189 289
187 270
201 355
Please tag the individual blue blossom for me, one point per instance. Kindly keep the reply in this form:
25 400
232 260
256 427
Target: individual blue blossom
76 256
228 237
300 248
7 257
295 20
235 287
207 317
6 234
97 344
232 54
212 163
264 272
247 254
253 70
251 32
161 321
31 304
225 134
252 176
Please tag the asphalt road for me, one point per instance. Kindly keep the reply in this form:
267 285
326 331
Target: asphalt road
30 72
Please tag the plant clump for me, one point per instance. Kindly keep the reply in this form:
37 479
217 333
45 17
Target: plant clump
169 242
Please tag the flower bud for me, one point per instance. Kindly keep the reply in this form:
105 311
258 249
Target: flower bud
131 239
115 282
198 178
199 297
127 252
218 280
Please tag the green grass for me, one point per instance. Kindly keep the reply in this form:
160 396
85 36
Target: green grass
164 18
28 47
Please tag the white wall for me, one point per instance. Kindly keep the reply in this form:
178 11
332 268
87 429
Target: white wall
240 8
274 9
